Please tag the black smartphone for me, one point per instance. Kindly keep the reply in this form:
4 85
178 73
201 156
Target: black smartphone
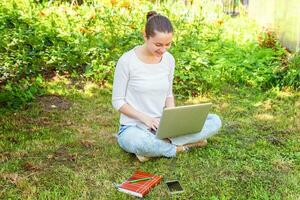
174 187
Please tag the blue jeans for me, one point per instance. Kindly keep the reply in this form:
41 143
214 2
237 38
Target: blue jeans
140 141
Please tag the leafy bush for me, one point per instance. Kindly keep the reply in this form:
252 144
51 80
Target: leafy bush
13 95
212 51
289 74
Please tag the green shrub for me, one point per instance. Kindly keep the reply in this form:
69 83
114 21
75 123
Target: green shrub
13 95
211 52
289 74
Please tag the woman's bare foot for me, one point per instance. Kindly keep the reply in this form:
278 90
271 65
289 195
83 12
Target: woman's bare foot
181 149
201 143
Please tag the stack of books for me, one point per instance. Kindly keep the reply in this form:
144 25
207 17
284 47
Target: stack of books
139 184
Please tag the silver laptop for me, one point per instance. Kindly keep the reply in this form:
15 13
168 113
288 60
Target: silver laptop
182 120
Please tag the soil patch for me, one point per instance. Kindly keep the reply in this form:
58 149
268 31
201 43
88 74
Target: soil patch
51 102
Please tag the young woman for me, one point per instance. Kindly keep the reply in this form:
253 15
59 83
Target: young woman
142 88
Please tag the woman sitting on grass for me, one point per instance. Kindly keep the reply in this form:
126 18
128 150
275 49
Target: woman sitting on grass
142 88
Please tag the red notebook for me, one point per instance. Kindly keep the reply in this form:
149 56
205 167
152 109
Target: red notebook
140 188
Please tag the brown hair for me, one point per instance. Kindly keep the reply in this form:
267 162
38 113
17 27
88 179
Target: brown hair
157 22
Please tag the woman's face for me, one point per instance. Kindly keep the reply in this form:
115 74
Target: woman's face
158 44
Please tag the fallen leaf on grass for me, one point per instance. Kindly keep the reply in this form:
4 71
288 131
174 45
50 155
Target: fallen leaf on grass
72 157
87 143
11 177
63 154
30 167
4 156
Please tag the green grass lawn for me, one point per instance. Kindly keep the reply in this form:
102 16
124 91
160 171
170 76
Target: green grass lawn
63 147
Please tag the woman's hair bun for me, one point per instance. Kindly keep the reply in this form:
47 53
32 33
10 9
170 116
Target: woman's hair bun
157 23
151 14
